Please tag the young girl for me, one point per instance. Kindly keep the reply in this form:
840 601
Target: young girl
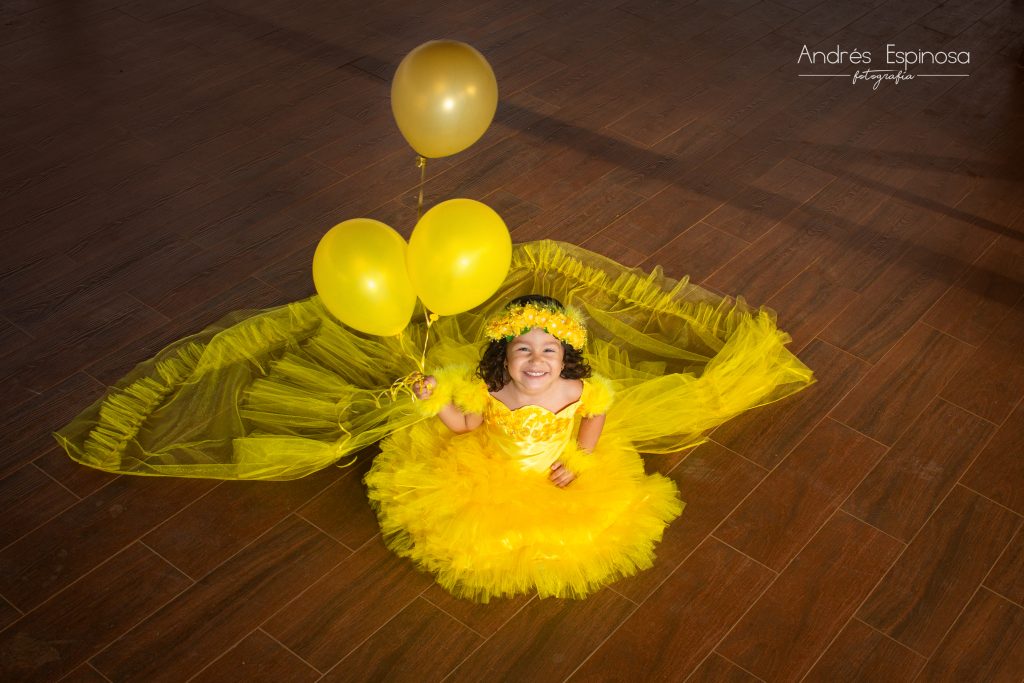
517 491
529 480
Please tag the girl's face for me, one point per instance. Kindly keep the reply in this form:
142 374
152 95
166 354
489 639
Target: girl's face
534 360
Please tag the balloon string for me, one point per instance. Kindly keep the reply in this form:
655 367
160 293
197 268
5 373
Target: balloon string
400 386
408 354
405 384
431 319
421 162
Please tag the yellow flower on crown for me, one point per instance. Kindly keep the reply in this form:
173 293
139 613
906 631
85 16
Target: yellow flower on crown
564 325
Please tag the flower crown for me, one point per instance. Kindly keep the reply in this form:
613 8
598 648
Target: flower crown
565 325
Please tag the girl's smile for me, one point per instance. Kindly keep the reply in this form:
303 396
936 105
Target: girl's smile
534 360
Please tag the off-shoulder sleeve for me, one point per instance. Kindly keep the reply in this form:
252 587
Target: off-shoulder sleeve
597 397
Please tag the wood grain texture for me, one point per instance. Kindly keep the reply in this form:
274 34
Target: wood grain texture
29 417
552 636
784 632
649 171
421 643
514 210
341 509
903 490
860 653
582 216
824 21
200 276
45 364
656 222
909 377
697 252
716 669
886 19
875 322
228 518
1007 577
808 303
347 605
62 633
676 628
991 381
995 628
953 20
768 434
787 185
942 567
885 237
484 619
712 481
999 471
603 243
564 175
28 497
786 509
82 481
82 537
192 631
84 674
798 239
8 614
258 658
975 304
53 290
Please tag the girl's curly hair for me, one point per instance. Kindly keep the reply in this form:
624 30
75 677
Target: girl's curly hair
491 368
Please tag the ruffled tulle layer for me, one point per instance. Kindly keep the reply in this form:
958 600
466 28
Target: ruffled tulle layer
485 528
280 393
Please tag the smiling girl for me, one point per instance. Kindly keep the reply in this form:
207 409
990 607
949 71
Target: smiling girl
512 493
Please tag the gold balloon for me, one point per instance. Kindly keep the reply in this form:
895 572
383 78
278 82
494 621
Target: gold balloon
360 274
459 254
443 97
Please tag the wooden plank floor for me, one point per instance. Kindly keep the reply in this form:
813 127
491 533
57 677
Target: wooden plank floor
164 163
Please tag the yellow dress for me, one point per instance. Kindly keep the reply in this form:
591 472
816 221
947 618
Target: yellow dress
479 511
279 393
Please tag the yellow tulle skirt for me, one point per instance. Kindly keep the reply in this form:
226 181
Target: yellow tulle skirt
487 528
279 393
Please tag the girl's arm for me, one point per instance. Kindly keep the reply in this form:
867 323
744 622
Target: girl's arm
458 421
453 418
590 431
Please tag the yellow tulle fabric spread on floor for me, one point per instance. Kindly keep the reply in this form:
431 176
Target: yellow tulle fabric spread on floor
282 392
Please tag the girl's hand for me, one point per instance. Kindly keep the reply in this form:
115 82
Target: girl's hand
561 475
424 387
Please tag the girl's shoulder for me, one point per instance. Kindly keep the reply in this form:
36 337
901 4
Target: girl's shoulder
573 390
597 396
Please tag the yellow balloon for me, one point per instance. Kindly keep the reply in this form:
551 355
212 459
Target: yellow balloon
443 97
360 274
459 254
